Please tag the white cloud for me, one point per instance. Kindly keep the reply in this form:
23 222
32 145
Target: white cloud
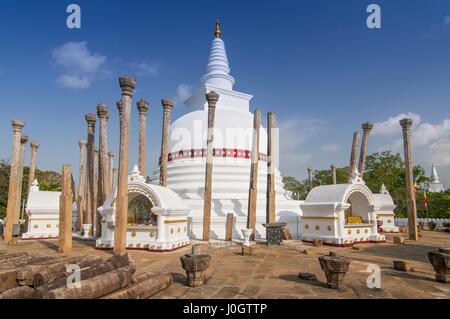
428 133
145 68
183 92
80 67
446 21
331 148
392 126
293 135
430 142
74 81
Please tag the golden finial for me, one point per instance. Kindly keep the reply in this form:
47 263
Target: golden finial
217 33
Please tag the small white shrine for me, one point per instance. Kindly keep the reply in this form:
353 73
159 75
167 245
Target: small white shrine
42 212
157 217
341 215
435 186
385 211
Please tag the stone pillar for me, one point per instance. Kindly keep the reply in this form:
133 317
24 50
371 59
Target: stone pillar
127 85
410 195
270 202
310 178
229 227
65 211
91 205
142 107
95 214
367 128
167 104
13 179
32 174
354 154
23 143
252 195
103 163
111 171
81 180
212 98
333 174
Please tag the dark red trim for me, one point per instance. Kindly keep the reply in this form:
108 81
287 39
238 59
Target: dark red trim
39 238
217 152
349 244
146 249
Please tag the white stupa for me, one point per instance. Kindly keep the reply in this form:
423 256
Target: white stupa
435 186
232 147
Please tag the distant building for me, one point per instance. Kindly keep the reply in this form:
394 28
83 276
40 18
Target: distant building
435 186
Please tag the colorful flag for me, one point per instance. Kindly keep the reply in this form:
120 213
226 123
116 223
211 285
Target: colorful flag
425 203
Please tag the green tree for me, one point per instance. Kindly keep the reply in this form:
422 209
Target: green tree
48 181
389 169
299 189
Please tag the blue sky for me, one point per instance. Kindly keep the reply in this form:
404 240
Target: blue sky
315 63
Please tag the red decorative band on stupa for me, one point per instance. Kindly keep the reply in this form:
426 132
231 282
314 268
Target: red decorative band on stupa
217 152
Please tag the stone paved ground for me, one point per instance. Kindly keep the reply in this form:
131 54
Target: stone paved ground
273 272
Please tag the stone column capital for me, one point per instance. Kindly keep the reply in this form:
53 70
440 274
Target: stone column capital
34 145
168 104
82 143
102 111
24 139
212 98
142 106
406 123
91 118
333 167
127 84
17 125
111 154
367 127
310 170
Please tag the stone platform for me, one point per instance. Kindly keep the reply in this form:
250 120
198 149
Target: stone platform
272 272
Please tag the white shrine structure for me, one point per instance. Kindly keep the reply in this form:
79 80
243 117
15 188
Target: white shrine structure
157 217
232 156
42 212
435 186
385 210
342 215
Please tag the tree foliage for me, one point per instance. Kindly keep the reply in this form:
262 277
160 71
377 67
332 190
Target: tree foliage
381 168
48 181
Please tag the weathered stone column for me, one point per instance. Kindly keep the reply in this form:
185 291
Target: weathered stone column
103 164
81 180
270 197
310 178
23 143
410 196
142 107
367 128
91 205
167 104
354 154
333 174
253 192
127 84
13 179
65 211
32 174
95 214
212 98
111 171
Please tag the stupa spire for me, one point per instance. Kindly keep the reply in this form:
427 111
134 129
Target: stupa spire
217 33
218 69
434 175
